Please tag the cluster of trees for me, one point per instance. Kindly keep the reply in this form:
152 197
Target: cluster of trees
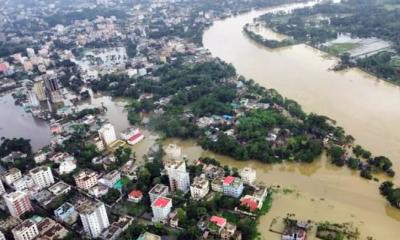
18 144
391 193
269 43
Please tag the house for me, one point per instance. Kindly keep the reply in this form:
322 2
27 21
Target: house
250 203
110 179
233 186
248 175
173 219
135 196
99 190
132 136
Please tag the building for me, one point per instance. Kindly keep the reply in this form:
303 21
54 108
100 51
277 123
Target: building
135 196
178 176
27 230
86 179
217 185
98 142
39 90
17 203
159 190
94 218
148 236
24 183
116 228
107 134
65 212
199 188
67 166
213 172
12 175
42 176
60 188
248 175
99 190
132 136
51 230
233 186
161 208
110 179
2 190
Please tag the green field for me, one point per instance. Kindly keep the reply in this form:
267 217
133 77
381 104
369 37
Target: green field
340 48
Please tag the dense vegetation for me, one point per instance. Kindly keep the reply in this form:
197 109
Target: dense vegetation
391 193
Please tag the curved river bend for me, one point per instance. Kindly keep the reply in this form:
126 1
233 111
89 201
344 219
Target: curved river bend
366 107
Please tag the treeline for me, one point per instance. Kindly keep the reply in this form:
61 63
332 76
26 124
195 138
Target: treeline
391 193
269 43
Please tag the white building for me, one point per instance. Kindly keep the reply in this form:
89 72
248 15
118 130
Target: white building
67 166
177 174
233 186
27 230
23 183
248 175
199 188
42 176
107 134
161 208
159 190
2 190
94 218
17 203
86 179
111 178
12 175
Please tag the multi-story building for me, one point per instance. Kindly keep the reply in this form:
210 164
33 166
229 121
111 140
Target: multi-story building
42 176
12 175
161 208
2 190
94 218
111 178
199 188
24 183
86 179
159 190
39 90
107 134
17 203
248 175
60 188
177 174
65 211
233 186
27 230
213 172
67 166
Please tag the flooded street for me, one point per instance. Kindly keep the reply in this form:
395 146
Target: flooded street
367 108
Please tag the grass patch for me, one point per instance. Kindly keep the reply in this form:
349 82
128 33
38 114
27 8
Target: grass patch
340 48
130 208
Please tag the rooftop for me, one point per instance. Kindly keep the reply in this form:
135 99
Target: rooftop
25 224
220 221
158 189
161 202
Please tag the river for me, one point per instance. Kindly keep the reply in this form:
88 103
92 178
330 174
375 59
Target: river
367 108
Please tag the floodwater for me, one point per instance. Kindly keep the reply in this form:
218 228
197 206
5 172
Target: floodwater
15 123
367 108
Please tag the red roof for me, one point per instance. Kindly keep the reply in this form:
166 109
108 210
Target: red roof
3 67
220 221
229 180
250 203
161 202
136 136
136 194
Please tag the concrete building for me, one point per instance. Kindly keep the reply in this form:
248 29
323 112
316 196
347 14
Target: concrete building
177 174
2 190
161 208
67 166
27 230
94 218
42 176
64 212
233 186
148 236
107 134
111 178
86 179
60 188
159 190
17 203
50 229
12 175
199 188
248 175
39 90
